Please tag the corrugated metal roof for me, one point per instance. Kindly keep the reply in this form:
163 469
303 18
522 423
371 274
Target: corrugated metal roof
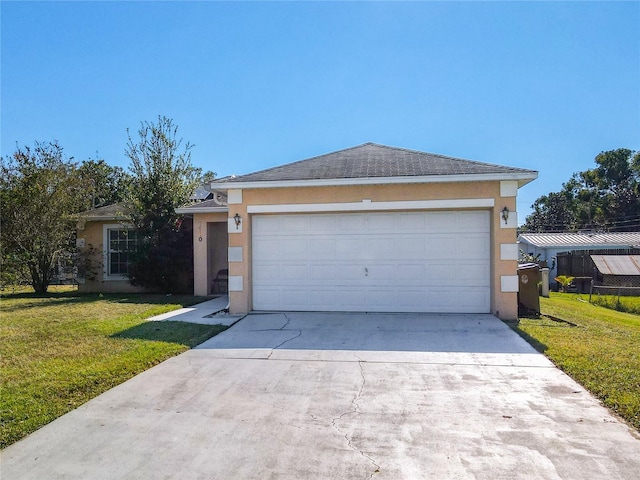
622 239
617 264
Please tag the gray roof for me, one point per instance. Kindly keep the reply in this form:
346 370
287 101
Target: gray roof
117 211
206 204
622 239
617 264
371 160
201 193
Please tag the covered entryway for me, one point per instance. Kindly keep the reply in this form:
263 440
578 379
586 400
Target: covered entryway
436 261
217 262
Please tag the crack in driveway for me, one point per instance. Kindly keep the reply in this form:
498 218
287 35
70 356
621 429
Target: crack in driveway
355 410
288 339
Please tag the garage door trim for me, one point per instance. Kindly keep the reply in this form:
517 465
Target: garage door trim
367 205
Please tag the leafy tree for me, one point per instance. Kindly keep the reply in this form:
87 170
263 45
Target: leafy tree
162 179
40 190
108 184
605 198
207 176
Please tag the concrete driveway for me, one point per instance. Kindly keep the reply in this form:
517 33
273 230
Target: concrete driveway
344 396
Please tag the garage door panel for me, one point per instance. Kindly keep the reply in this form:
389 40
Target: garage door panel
322 223
267 298
396 300
395 274
265 247
407 222
264 274
472 222
441 273
381 223
441 222
348 248
293 223
443 246
475 246
416 261
322 248
350 223
338 275
470 274
265 225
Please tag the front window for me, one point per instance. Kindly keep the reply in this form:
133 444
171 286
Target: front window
122 242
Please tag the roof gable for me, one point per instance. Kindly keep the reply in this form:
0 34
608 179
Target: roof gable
371 160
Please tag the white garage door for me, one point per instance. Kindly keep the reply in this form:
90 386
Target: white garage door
375 262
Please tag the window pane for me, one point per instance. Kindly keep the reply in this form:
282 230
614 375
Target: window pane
121 242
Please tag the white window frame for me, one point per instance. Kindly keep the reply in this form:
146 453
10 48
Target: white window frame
105 249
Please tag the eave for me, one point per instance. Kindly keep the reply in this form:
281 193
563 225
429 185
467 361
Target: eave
521 177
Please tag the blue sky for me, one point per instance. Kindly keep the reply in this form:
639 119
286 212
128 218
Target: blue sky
540 85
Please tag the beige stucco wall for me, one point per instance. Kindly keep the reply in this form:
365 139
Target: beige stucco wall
92 234
503 304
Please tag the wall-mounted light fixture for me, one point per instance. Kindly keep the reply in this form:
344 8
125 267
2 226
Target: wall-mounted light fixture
505 215
237 218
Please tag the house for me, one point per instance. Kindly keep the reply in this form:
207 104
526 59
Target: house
370 228
549 245
104 237
617 270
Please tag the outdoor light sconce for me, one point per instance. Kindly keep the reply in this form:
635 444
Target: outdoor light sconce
505 215
237 218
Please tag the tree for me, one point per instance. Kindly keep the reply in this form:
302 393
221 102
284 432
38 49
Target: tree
40 190
109 184
604 198
162 179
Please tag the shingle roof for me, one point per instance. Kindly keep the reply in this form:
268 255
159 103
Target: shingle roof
621 239
371 160
200 206
117 211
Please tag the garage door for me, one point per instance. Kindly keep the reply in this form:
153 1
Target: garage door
375 262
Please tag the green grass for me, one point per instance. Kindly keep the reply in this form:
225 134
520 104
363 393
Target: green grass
60 350
622 304
601 352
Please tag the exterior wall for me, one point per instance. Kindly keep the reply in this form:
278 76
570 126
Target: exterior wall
92 235
503 245
201 250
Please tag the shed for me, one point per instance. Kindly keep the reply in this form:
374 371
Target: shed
617 270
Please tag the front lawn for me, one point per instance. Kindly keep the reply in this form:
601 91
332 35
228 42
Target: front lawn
614 302
601 352
61 350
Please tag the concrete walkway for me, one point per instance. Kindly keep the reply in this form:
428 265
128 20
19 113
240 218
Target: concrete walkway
211 312
340 396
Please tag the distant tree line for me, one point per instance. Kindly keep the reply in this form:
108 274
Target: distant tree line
44 193
604 198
